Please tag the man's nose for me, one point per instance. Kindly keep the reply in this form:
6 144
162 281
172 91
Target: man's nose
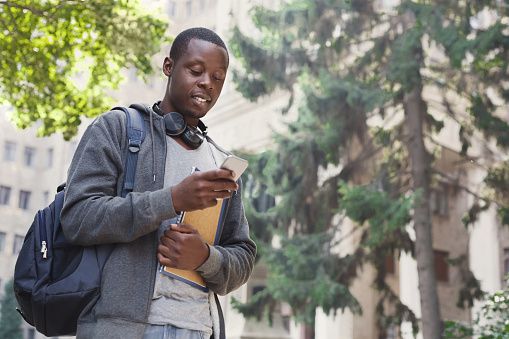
205 82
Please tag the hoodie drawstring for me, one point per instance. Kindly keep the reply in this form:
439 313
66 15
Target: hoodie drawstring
153 147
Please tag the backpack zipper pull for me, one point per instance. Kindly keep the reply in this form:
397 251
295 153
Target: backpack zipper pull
44 249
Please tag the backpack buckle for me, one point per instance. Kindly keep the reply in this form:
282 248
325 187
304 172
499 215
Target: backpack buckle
134 146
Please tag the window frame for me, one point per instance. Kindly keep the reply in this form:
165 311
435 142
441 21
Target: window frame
50 155
3 241
5 195
442 272
9 152
29 153
24 199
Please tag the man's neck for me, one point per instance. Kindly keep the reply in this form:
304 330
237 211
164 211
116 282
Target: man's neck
166 107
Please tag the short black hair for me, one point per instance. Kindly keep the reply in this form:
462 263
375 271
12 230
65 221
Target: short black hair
179 46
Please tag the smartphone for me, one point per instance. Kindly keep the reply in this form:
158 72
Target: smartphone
235 164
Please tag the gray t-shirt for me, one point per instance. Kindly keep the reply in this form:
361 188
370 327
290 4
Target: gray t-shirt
175 302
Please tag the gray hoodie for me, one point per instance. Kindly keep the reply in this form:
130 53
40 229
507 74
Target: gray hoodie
94 214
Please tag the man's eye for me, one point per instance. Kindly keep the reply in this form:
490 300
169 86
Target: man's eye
218 78
195 71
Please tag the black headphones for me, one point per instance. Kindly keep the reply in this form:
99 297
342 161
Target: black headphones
176 126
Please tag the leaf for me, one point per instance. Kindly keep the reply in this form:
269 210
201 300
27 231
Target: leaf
59 59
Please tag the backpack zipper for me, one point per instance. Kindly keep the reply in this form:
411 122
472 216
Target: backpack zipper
44 249
42 234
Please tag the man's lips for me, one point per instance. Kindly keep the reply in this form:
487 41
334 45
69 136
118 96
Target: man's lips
201 97
200 100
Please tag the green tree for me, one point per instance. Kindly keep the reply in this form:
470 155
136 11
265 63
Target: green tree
346 63
10 320
58 58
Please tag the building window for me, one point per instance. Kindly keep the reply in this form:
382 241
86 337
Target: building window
438 200
441 266
5 194
172 8
9 151
390 265
2 241
24 200
189 8
29 156
49 161
18 242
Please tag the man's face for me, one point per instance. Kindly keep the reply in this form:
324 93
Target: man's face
196 79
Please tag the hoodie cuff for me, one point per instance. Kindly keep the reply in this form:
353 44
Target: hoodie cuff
213 263
162 204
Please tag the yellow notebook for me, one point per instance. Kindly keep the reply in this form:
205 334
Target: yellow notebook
209 223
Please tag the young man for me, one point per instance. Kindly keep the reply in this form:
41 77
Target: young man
137 301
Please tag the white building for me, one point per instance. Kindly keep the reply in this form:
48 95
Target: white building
31 168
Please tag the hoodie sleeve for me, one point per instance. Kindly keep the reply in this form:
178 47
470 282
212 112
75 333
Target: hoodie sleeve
93 213
230 263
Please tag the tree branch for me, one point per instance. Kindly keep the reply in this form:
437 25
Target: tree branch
43 12
11 4
468 190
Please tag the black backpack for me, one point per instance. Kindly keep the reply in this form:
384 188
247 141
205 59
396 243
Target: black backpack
54 280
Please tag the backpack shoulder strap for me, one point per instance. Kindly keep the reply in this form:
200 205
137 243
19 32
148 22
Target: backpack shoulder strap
135 135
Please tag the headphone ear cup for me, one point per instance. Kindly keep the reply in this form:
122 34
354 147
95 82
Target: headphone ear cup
192 137
174 124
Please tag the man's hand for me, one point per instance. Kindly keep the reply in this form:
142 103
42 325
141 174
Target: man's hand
202 189
181 246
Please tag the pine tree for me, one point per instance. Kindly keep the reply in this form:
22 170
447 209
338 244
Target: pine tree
10 320
345 64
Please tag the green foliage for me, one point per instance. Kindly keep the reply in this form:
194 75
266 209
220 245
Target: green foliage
497 180
498 176
473 213
58 59
406 59
10 320
347 64
471 287
261 305
390 311
482 110
301 263
383 214
492 322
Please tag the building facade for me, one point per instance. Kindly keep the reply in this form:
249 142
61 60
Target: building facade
31 168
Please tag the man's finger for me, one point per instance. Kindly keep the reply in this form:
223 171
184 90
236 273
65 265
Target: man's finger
167 241
164 261
183 228
224 185
216 174
221 195
163 250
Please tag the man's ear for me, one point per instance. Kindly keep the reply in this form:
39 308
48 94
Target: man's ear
167 66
